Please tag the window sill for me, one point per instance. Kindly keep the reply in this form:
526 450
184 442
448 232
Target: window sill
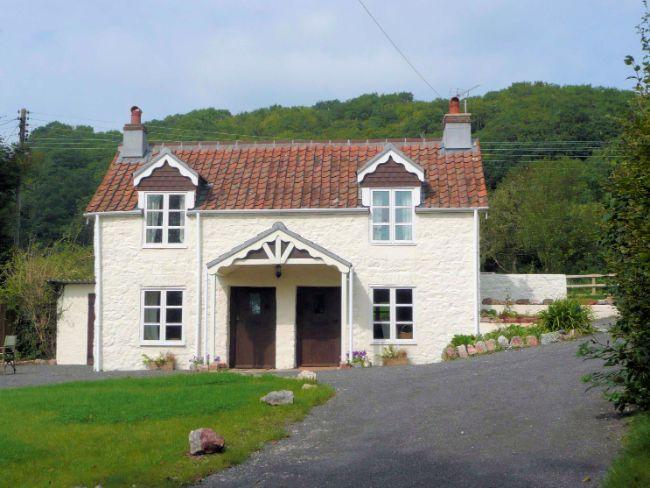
393 243
394 342
162 343
165 246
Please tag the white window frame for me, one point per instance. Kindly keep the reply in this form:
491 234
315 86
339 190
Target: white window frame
163 317
165 225
391 217
393 315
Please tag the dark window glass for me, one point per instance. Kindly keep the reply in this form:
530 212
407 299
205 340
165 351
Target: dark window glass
381 295
173 333
404 295
151 298
381 331
151 332
404 331
381 313
255 302
175 298
404 314
174 315
154 236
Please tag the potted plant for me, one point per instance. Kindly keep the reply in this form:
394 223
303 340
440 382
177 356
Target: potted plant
391 356
360 359
165 362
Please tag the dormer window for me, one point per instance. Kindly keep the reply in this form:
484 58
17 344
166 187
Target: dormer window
391 212
164 217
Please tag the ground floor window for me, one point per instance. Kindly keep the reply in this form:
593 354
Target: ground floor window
162 316
392 314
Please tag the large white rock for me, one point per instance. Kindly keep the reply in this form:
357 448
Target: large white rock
306 375
282 397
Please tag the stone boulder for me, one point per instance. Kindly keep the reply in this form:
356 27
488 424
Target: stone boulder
449 353
462 351
205 441
502 341
550 338
471 350
305 374
491 345
516 341
481 347
282 397
532 341
308 386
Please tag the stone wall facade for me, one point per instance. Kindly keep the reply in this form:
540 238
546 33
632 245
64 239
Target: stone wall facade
440 267
533 287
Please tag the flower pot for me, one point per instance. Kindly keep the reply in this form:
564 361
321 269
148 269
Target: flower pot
167 366
395 361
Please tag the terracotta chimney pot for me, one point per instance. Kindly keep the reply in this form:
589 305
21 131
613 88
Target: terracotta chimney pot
136 115
454 105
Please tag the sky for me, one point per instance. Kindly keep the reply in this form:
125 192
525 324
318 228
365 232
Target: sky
89 61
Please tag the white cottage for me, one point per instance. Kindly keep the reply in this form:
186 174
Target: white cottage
281 255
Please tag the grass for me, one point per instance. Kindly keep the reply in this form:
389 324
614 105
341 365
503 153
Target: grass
631 468
134 431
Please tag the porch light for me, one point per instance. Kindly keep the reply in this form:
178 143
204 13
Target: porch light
278 271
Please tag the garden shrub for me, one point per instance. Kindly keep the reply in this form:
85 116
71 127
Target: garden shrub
463 340
566 314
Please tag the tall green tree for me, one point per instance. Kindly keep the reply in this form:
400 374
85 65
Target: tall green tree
545 217
9 179
626 377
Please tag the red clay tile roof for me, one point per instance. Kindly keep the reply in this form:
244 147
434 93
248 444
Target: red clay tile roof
313 175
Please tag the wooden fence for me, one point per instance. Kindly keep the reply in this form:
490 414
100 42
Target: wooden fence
593 283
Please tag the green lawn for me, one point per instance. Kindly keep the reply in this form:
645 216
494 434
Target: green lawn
134 431
631 469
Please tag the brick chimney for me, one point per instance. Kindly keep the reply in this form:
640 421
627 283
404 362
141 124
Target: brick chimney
134 144
457 128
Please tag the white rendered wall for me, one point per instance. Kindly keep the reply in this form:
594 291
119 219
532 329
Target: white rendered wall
439 266
533 287
72 324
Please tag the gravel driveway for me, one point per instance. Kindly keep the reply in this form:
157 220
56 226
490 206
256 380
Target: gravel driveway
518 418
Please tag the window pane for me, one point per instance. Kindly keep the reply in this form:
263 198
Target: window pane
154 201
151 332
404 314
380 232
175 298
152 297
177 202
381 313
403 215
380 198
174 315
380 215
404 295
173 332
154 218
152 315
255 303
403 233
405 331
175 236
176 219
380 295
403 198
381 331
154 236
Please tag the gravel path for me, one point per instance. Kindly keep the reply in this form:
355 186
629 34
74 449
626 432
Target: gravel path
518 418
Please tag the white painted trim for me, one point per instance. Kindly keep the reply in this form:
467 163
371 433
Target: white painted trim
393 316
477 275
399 158
344 293
159 162
199 262
97 244
115 213
279 211
163 319
350 310
206 335
450 210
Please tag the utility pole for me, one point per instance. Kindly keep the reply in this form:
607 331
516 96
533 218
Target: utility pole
22 154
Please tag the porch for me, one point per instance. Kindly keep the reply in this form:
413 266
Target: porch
281 301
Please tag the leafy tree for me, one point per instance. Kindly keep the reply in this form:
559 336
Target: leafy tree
29 296
546 217
9 178
626 378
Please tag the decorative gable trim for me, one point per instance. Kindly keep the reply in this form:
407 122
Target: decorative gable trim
390 152
277 246
166 156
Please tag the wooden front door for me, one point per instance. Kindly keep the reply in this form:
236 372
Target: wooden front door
252 327
90 359
318 324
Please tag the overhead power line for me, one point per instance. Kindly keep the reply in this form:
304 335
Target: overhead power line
401 53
